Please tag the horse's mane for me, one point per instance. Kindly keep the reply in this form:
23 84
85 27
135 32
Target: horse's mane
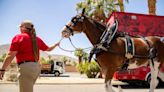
98 24
103 27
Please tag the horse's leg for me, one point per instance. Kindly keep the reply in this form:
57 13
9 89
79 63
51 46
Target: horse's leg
108 80
154 74
108 86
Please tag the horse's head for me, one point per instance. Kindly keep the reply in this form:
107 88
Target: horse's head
82 23
74 26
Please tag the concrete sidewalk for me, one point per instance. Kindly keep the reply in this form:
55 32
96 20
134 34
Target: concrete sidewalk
69 80
66 81
61 80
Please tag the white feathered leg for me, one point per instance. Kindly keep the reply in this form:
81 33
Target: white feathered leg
154 74
108 86
120 89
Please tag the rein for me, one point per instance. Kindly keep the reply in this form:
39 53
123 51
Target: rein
87 48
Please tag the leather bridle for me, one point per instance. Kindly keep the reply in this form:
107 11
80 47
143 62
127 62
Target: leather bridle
74 21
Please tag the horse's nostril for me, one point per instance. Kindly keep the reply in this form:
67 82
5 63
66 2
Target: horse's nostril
65 34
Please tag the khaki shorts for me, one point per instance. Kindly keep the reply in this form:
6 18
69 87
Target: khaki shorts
29 72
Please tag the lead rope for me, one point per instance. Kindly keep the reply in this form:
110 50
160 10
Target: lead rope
87 48
63 48
72 43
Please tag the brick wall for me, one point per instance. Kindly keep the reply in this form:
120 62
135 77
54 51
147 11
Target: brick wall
69 68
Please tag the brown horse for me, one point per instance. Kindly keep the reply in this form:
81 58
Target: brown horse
115 56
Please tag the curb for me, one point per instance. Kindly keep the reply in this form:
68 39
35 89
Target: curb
62 81
66 82
9 83
14 83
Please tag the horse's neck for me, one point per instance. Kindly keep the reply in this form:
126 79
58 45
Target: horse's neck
92 32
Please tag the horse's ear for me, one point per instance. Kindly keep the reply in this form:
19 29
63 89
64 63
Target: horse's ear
83 11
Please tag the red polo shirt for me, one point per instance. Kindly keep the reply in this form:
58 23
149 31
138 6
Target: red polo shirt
23 44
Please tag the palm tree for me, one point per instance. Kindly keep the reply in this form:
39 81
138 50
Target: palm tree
79 53
121 4
98 9
85 56
152 7
49 57
42 60
64 59
101 9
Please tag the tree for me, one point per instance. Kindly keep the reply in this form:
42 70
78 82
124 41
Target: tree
43 60
85 56
64 59
152 7
79 53
49 57
121 4
98 9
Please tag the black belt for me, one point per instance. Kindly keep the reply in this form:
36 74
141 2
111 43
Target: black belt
25 62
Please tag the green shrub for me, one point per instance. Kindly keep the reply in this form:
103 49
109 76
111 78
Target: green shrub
1 60
12 74
12 77
82 67
90 69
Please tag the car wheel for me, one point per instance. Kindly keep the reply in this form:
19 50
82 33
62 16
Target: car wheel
56 73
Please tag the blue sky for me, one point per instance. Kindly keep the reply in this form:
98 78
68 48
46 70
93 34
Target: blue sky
49 17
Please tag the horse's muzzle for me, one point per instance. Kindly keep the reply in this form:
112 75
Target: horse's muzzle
65 34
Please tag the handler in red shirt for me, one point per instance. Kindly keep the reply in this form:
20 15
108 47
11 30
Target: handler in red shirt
25 46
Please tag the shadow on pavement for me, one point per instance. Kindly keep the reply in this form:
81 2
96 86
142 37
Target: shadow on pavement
161 86
52 75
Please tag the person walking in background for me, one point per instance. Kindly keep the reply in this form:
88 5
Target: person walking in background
25 46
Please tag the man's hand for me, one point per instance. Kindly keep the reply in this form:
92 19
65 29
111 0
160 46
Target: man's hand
57 44
53 46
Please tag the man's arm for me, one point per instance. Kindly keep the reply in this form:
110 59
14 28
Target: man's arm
10 56
53 46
